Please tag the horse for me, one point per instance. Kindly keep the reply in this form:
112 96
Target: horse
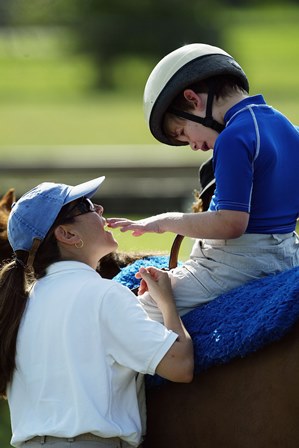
5 206
249 402
245 393
237 399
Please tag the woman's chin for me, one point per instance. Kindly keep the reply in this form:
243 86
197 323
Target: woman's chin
113 245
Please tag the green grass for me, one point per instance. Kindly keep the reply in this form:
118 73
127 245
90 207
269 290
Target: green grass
50 112
151 243
46 94
5 433
81 121
46 99
265 41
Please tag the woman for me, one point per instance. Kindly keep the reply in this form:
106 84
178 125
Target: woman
71 342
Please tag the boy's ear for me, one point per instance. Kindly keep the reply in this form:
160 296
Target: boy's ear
196 99
65 235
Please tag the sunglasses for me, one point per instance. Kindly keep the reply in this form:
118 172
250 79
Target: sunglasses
83 206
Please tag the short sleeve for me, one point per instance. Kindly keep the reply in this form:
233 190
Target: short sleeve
234 171
131 338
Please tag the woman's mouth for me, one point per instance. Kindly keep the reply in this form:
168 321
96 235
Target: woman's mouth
205 147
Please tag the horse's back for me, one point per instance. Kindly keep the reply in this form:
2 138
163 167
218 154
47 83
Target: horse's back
249 402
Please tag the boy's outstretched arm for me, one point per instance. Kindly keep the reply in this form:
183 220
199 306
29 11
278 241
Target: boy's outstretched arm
222 224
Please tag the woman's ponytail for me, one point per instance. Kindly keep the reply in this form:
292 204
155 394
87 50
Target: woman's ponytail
14 283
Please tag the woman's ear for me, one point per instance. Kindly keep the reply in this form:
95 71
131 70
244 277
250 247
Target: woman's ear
64 234
195 99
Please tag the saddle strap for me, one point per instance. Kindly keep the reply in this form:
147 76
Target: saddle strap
173 257
174 251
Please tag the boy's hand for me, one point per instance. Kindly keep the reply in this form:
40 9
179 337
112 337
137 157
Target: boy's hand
137 227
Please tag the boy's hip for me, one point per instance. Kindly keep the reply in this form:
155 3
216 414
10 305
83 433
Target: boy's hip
253 239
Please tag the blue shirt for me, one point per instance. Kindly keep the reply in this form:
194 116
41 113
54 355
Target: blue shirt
256 165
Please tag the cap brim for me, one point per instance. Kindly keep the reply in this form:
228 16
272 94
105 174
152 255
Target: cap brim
86 189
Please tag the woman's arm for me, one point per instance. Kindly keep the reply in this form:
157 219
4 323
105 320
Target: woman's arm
178 363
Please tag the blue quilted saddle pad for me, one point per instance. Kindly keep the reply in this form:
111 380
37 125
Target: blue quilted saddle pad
244 319
240 321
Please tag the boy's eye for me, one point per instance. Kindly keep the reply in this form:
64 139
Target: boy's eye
176 134
179 133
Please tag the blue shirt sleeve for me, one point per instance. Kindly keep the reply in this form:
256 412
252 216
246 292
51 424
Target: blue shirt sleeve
234 170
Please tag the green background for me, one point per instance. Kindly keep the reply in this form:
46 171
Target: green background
49 111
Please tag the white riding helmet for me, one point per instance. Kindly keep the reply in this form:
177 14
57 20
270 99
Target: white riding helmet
175 72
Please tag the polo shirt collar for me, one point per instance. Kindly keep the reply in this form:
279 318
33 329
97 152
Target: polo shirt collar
63 266
250 101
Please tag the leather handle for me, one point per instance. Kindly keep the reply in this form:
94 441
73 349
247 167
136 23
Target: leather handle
174 251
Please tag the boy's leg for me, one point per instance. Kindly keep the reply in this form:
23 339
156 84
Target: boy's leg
189 291
227 265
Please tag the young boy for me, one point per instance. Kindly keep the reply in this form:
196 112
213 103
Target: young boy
198 95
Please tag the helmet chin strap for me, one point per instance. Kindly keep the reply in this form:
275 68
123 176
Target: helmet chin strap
208 121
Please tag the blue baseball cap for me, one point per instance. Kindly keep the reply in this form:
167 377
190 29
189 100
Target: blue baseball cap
32 216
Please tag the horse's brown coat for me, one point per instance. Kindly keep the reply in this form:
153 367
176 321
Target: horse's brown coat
248 403
5 206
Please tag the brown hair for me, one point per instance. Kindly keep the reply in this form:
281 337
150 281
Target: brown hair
15 282
223 87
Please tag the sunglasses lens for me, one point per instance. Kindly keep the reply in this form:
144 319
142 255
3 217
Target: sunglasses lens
84 206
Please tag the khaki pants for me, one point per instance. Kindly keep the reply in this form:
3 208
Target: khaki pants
217 266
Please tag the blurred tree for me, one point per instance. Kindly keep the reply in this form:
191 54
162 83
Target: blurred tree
4 12
148 29
109 30
258 3
37 12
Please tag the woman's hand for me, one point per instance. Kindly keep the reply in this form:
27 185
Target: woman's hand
157 283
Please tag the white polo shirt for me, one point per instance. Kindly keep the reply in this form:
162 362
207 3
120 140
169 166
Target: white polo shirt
81 341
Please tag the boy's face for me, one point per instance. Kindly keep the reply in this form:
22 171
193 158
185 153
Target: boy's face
187 131
196 135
